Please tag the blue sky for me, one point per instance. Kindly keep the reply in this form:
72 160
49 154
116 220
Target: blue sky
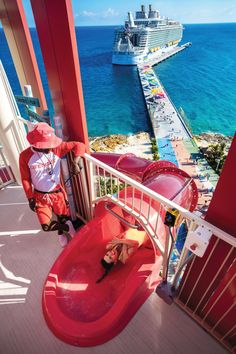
107 12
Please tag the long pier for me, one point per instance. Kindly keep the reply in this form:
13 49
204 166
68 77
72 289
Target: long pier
174 140
167 55
167 123
165 118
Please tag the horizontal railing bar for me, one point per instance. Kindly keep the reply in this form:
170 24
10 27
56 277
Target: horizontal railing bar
170 204
120 217
140 218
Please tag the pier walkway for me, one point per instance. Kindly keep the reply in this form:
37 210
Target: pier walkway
165 56
174 140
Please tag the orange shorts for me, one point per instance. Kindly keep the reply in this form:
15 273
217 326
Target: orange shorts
47 203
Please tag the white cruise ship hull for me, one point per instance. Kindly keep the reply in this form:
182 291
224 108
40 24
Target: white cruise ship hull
126 58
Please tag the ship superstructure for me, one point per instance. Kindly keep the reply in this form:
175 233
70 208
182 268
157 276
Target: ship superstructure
144 37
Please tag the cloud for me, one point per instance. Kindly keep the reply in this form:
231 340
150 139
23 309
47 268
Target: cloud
229 11
110 13
86 13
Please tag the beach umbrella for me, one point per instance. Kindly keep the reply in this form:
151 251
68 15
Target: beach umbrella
152 84
154 90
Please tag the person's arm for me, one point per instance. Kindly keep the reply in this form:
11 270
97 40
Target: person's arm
65 147
26 181
78 150
127 250
25 176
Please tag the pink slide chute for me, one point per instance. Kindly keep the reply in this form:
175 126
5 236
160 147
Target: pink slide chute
77 309
163 177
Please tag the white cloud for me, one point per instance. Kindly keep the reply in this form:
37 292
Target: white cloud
85 13
110 13
229 11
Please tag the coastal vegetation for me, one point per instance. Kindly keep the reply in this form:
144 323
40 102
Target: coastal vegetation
109 185
154 149
215 156
215 148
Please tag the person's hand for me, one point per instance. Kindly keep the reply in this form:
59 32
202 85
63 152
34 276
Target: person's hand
75 169
32 204
77 165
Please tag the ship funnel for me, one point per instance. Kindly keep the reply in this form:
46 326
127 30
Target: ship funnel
131 19
142 13
152 13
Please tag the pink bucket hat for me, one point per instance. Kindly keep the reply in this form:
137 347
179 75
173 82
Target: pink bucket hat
43 137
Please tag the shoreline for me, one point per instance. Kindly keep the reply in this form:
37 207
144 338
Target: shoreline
137 143
140 143
197 167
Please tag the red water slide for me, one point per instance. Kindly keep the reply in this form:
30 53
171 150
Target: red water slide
161 176
85 313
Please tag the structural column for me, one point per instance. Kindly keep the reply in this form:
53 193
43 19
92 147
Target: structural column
18 37
55 26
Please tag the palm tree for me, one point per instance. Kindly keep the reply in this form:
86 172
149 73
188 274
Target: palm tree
215 155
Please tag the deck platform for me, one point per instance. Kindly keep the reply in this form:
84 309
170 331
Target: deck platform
27 255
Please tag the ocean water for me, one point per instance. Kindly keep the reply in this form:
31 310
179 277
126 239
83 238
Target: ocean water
201 80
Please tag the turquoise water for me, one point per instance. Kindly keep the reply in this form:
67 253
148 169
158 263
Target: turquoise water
201 80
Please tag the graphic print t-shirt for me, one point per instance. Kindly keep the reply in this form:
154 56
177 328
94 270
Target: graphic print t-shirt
42 171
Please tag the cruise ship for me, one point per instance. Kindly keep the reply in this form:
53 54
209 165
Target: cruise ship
145 37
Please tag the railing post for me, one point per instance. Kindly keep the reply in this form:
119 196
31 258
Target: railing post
91 182
166 255
185 251
86 190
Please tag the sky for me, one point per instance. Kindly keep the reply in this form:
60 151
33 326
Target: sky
107 12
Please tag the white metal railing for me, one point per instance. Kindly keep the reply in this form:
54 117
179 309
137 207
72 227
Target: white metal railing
12 132
6 176
106 183
19 122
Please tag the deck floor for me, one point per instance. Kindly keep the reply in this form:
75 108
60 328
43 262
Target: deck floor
27 254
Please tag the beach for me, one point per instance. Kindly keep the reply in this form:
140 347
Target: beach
138 144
